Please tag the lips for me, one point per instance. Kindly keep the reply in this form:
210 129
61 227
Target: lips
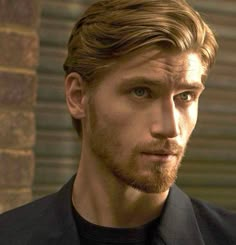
160 152
159 156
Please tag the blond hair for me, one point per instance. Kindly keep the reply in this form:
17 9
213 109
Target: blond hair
113 28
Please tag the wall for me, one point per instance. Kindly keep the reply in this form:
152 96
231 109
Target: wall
57 147
18 60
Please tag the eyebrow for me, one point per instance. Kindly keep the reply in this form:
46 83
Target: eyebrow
192 85
147 81
143 80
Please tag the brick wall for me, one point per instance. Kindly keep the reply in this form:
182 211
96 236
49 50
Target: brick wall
19 47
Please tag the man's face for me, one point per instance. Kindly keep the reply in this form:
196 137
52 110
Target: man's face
141 116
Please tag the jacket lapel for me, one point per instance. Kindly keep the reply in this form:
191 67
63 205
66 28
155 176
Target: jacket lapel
178 224
69 233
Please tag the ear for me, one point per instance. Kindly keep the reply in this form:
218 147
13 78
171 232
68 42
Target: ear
76 95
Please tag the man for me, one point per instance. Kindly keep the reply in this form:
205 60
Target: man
134 74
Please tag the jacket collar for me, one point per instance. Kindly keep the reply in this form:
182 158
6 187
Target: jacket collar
178 224
64 231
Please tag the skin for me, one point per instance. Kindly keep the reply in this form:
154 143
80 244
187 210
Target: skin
136 124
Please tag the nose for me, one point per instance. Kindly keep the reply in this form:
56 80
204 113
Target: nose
166 121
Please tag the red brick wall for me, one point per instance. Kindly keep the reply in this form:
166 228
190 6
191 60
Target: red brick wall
19 47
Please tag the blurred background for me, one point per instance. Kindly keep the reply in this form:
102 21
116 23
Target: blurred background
39 150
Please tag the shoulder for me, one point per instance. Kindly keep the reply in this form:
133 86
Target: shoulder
213 219
40 221
214 213
20 222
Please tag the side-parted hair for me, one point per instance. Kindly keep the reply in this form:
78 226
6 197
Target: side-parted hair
114 28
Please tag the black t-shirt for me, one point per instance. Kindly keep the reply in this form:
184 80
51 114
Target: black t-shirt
91 234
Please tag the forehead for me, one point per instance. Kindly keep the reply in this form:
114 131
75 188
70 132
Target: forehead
153 64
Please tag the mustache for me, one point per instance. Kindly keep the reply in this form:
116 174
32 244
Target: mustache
161 146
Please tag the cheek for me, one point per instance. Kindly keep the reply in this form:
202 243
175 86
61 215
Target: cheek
124 126
116 114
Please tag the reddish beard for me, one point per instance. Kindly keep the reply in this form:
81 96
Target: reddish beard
161 177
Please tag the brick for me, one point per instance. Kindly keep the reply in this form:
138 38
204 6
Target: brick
23 12
17 89
12 198
16 168
17 130
18 49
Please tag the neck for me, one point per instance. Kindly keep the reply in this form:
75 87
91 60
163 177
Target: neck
104 200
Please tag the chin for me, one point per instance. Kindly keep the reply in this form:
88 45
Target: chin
159 186
153 183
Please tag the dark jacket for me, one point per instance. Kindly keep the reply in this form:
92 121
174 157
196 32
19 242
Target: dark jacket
184 221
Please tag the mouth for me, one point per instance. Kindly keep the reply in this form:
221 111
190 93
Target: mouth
159 156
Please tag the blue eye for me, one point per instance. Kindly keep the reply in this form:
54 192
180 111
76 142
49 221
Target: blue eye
140 92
